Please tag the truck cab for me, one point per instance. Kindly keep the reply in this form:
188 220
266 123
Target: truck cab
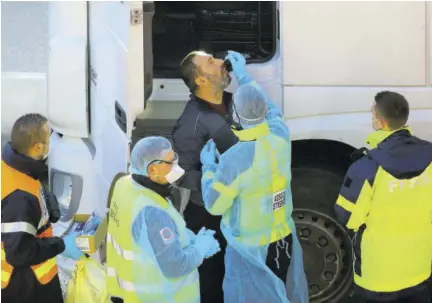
113 79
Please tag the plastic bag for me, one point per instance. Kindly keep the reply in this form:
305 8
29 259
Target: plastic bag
296 283
88 283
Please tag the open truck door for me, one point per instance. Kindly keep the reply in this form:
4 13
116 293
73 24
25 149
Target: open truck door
68 108
121 68
100 77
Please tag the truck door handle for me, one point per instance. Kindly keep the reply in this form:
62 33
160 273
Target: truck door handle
120 116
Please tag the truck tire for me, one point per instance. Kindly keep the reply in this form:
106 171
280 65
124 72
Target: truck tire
326 246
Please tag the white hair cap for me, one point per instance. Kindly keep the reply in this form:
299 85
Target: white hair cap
146 151
250 105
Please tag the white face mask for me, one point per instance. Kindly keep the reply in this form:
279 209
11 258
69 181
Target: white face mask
176 173
46 155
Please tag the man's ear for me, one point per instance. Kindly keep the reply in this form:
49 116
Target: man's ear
383 122
152 169
38 148
200 80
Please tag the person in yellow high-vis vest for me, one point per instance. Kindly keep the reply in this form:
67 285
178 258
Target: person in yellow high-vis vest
28 248
250 187
386 199
151 255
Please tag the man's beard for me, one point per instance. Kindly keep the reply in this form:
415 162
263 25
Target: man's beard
227 79
223 82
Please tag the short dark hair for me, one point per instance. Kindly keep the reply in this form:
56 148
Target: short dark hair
393 108
27 131
189 71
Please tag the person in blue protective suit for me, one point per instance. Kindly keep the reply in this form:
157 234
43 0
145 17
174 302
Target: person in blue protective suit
386 200
151 255
249 185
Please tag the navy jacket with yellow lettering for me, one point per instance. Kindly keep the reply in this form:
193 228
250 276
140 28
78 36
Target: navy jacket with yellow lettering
386 199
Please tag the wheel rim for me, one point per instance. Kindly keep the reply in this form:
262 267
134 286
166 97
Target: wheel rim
327 254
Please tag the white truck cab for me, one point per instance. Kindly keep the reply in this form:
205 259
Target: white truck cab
113 79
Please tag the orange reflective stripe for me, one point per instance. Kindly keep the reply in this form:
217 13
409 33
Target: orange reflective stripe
45 271
6 266
47 233
6 272
6 269
49 275
13 179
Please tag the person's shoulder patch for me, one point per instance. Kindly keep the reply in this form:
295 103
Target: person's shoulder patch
348 182
167 235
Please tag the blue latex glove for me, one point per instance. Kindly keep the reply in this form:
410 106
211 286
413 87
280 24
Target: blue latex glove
71 249
191 236
208 153
204 242
238 63
215 247
213 250
204 230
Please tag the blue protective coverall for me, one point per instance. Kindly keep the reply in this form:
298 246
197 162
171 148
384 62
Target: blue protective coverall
250 188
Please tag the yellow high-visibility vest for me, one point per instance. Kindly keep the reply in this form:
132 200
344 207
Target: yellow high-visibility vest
133 272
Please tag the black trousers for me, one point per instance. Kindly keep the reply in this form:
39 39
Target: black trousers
212 271
24 288
279 257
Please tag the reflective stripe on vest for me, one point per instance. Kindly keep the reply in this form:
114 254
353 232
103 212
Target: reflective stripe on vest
18 227
45 271
12 180
125 254
127 286
147 288
6 269
128 255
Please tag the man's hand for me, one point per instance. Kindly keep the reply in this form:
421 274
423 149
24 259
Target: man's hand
205 243
216 246
238 63
208 153
71 249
